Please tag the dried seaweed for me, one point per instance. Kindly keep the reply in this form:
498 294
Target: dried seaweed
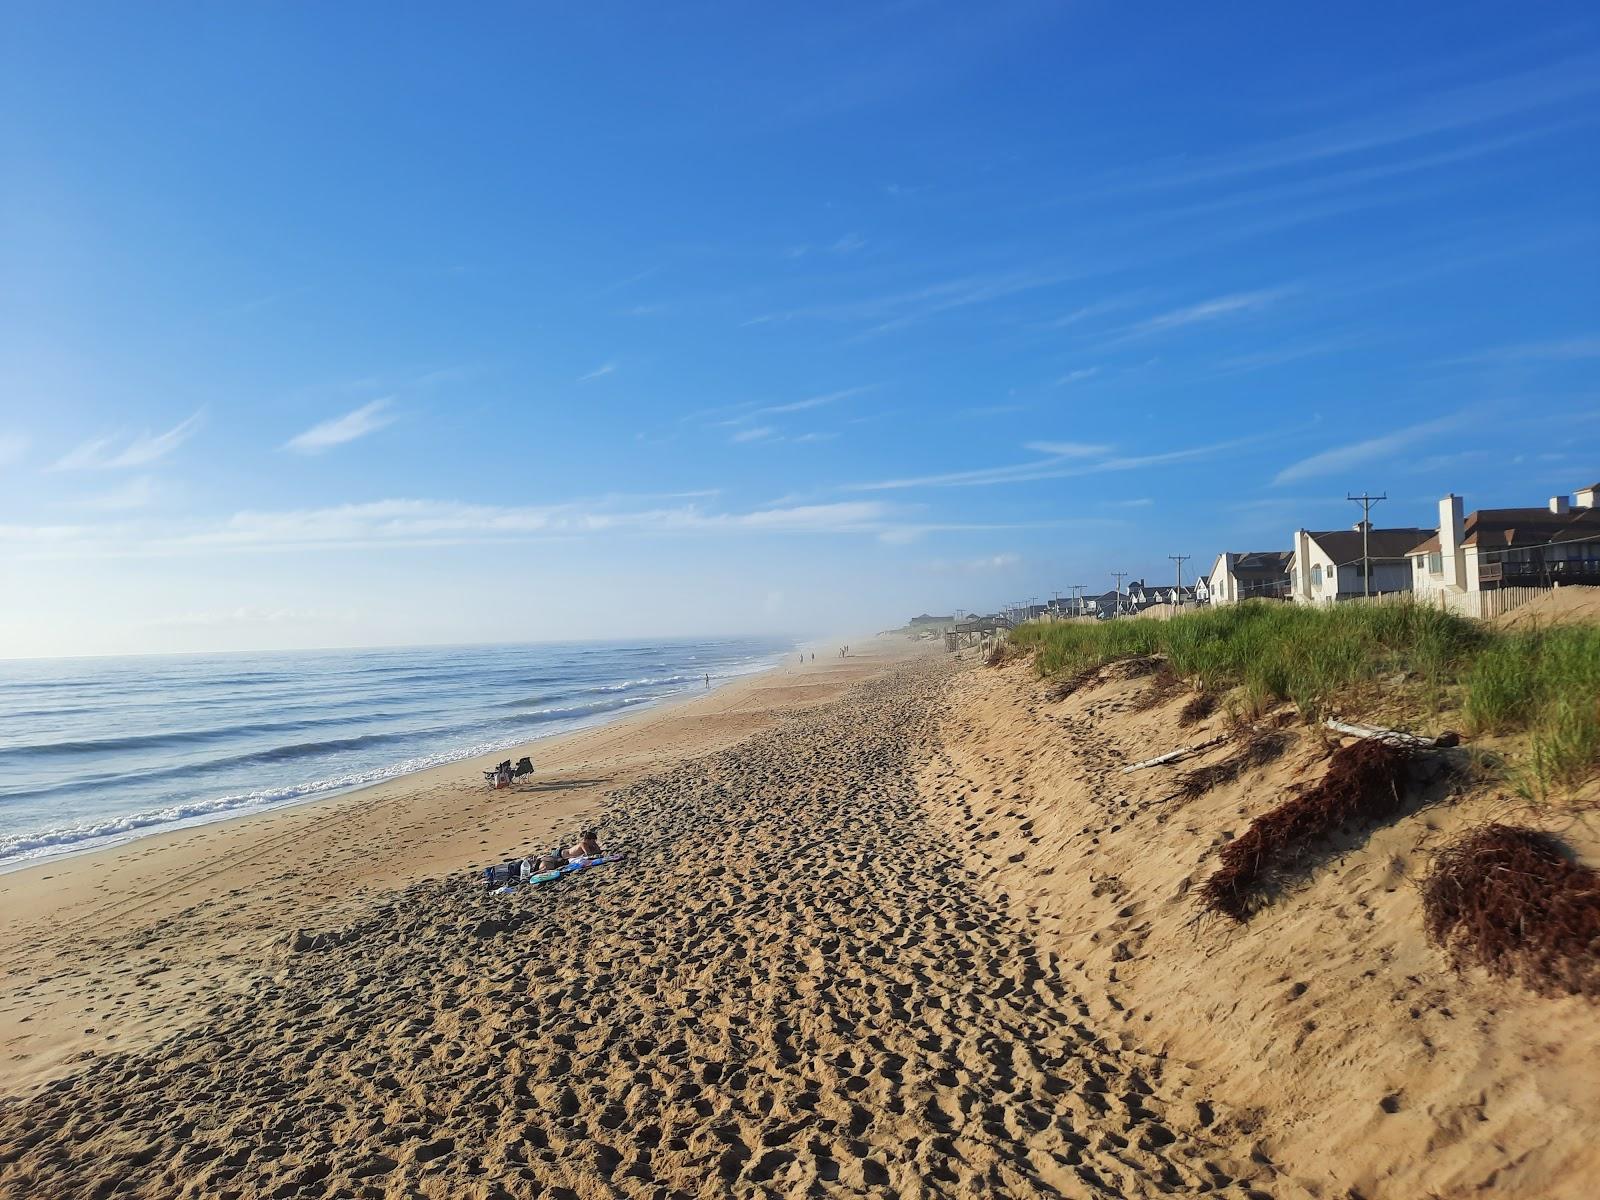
1200 706
1164 685
1075 682
1509 899
1365 782
1260 748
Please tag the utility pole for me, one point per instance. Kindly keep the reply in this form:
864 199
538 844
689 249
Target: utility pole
1180 559
1077 590
1366 503
1119 576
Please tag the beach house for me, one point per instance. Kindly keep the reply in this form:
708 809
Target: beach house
1340 564
1493 548
1245 575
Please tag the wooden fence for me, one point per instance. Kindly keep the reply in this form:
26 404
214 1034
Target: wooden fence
1482 605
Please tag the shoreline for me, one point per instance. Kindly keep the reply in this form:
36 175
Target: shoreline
114 948
179 825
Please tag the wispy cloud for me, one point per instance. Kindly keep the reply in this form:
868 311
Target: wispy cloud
408 522
1355 454
1434 114
428 523
598 372
1062 460
12 447
1278 356
758 433
732 415
1078 376
899 309
1207 310
1068 449
369 418
810 402
113 452
848 244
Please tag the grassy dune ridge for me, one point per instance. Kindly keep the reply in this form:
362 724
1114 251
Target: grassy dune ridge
1389 660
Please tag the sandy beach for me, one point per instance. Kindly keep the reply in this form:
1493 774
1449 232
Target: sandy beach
109 950
790 986
896 925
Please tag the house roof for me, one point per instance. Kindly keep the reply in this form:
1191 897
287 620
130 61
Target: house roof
1263 562
1344 545
1502 528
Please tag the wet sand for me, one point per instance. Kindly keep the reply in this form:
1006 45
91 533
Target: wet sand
794 986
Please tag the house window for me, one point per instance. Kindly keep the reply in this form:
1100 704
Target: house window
1436 563
1316 574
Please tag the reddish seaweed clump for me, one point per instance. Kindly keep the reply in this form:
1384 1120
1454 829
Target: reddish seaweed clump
1365 782
1508 899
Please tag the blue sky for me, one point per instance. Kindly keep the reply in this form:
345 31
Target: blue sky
361 324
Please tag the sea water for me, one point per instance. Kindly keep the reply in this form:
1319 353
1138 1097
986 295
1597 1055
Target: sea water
97 751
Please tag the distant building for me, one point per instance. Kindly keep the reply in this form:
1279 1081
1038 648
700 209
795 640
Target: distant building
929 624
1107 604
1328 566
1492 548
1247 575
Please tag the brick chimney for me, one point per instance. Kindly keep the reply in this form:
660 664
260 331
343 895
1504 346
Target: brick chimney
1452 529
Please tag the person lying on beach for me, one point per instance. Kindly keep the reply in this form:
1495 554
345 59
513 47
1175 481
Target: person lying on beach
587 846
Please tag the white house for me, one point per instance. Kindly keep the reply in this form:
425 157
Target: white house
1509 547
1330 566
1253 573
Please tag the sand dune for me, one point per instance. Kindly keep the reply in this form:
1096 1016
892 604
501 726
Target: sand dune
1362 1063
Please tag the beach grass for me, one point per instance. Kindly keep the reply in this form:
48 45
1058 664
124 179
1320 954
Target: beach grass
1545 682
1541 682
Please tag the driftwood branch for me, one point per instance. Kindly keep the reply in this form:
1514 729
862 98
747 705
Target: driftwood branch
1393 736
1173 755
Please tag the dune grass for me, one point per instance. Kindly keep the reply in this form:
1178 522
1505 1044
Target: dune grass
1545 682
1541 682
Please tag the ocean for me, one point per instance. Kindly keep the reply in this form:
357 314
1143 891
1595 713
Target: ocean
96 751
